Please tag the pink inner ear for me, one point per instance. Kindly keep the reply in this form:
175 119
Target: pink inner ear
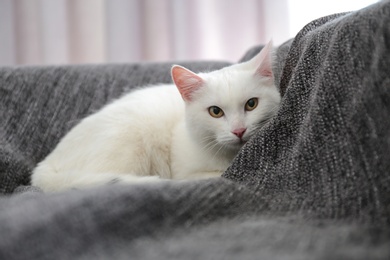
264 61
265 70
186 81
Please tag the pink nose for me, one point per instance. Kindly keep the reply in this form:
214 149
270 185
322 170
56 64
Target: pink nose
239 132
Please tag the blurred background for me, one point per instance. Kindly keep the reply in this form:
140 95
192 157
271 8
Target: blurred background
97 31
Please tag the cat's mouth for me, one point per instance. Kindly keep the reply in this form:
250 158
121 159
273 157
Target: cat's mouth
238 143
241 141
235 143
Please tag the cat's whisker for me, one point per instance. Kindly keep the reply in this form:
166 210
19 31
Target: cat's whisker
207 141
210 145
220 149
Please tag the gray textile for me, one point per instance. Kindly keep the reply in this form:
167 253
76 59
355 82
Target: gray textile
313 184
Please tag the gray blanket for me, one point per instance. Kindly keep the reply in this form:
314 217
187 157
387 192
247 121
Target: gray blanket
313 184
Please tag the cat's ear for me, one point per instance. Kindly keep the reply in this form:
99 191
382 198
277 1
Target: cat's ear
263 61
186 81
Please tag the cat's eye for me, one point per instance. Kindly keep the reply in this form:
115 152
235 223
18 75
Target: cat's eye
251 104
216 112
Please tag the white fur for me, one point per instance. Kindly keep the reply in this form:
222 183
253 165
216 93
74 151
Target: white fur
153 133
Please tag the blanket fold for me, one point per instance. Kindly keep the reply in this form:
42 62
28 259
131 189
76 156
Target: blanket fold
312 184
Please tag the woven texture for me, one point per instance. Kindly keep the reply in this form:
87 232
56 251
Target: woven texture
327 148
313 184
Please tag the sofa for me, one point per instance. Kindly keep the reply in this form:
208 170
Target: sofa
314 183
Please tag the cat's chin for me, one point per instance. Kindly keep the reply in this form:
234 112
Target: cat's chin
235 146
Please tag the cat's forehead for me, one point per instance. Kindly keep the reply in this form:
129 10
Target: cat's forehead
228 87
231 80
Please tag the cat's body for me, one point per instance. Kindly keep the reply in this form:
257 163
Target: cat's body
162 132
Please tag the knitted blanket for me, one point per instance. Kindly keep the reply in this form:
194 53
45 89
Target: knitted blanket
314 183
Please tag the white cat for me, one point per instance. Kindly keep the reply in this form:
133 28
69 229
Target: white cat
187 130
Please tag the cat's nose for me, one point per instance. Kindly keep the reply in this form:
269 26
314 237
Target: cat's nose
239 132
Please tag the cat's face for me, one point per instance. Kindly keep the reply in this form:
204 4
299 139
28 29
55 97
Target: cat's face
225 108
